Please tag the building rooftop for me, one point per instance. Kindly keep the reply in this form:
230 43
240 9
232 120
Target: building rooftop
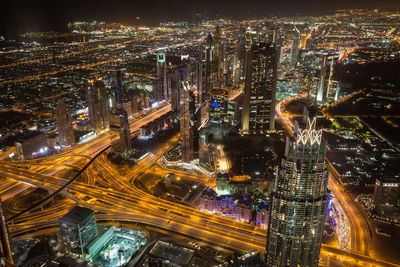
77 215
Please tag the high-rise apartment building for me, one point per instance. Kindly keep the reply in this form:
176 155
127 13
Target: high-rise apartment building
99 108
299 201
64 123
260 89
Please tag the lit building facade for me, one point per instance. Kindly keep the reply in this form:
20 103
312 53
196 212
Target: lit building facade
99 108
190 122
387 191
117 90
260 89
78 228
218 103
64 123
299 201
124 131
162 85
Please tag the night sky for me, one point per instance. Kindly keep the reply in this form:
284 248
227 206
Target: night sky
35 15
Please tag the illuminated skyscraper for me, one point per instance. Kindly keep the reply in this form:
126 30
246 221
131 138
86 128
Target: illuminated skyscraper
99 109
64 123
6 257
190 120
209 53
294 53
242 51
219 104
124 131
117 89
322 88
259 95
78 228
299 201
218 53
162 77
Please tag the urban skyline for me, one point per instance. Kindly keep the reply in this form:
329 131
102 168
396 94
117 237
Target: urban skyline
211 141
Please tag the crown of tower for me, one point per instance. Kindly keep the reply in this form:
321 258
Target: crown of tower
309 135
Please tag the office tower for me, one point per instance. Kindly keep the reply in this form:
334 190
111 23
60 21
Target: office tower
260 89
64 123
242 51
124 131
77 228
208 79
6 256
218 104
294 52
117 90
162 77
387 191
299 201
190 123
99 110
321 87
218 53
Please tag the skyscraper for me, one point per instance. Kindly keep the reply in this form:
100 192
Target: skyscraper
162 77
124 131
117 90
78 228
99 109
64 123
294 53
321 87
242 51
218 53
6 256
190 120
260 90
209 77
299 201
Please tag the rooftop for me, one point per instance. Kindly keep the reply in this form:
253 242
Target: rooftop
77 215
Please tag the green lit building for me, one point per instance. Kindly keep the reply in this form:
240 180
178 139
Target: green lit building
78 229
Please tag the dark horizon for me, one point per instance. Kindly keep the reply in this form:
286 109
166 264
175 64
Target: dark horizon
23 16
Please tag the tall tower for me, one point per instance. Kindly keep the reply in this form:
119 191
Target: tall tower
218 52
190 123
209 54
64 123
6 256
260 90
117 90
321 87
124 131
99 109
294 53
162 76
299 201
242 51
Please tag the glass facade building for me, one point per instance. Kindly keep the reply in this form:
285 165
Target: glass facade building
78 228
260 89
299 201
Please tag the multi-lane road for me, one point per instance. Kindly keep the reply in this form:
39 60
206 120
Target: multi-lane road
117 197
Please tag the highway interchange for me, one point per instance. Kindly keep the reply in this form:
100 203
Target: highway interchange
116 198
